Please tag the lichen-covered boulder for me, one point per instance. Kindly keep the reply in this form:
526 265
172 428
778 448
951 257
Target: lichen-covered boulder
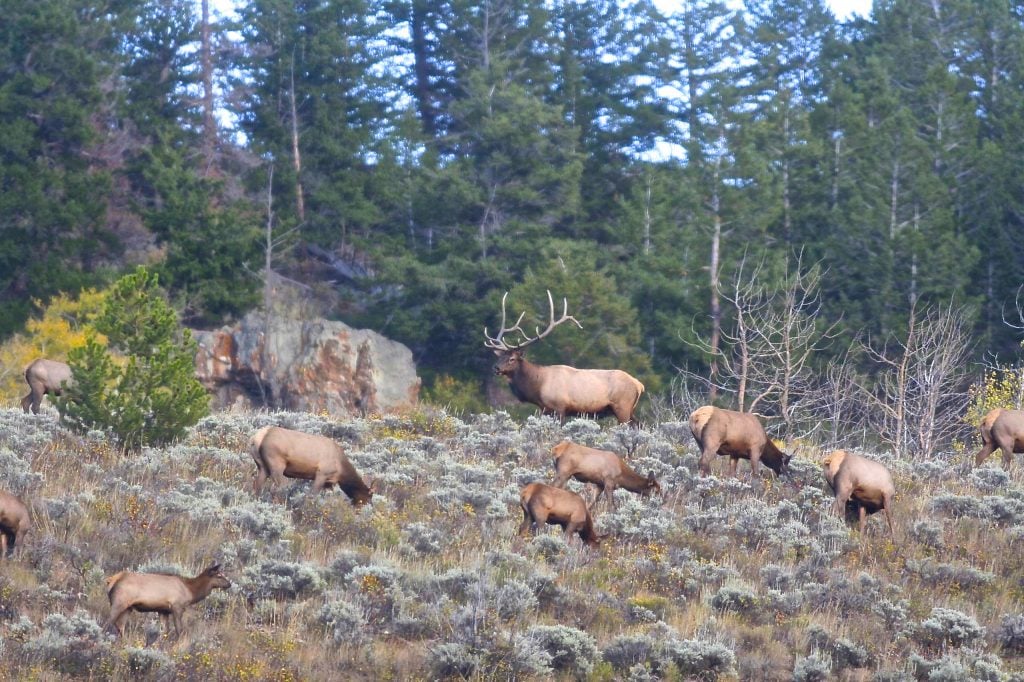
311 365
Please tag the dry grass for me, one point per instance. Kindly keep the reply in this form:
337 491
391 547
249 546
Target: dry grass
720 580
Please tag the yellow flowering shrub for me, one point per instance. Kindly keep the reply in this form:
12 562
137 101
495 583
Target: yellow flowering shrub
62 326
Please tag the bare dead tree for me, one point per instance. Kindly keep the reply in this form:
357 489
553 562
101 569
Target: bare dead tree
772 339
918 395
836 405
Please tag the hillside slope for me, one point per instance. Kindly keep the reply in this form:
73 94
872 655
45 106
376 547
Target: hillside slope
720 580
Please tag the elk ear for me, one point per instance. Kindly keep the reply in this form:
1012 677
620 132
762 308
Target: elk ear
214 569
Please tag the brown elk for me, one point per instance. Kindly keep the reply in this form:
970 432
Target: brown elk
44 376
604 469
560 389
861 482
544 504
282 453
738 435
1003 429
14 523
161 593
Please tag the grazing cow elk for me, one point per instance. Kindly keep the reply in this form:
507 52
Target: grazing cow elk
861 482
44 376
544 504
282 453
1003 429
14 523
738 435
604 469
560 389
162 593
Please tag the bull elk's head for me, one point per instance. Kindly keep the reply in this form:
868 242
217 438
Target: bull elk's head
511 355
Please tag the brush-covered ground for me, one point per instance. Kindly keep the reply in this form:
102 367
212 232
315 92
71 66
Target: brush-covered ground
718 580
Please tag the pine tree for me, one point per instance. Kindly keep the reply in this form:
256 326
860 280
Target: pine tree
142 387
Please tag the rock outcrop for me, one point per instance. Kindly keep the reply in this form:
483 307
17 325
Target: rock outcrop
309 365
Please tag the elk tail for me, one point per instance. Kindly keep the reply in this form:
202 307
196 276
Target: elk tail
112 580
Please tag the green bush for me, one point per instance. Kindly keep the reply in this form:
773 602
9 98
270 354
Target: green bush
142 388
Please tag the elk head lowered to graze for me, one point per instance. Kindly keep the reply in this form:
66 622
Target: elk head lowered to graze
861 482
44 376
737 435
560 389
604 469
544 504
14 523
282 453
1003 429
161 593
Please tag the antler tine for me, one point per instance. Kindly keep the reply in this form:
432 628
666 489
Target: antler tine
496 341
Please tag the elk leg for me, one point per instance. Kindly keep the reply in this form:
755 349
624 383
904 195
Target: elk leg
116 621
609 492
734 465
755 459
708 454
863 513
1007 450
843 493
987 448
176 613
26 403
561 480
3 544
319 481
259 481
886 507
524 527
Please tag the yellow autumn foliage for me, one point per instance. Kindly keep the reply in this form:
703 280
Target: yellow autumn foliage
1001 387
62 326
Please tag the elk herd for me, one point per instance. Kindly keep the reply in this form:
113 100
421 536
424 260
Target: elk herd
860 485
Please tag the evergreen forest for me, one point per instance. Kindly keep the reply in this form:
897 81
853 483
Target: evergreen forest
742 199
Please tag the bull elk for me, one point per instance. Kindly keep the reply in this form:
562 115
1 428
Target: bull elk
44 377
161 593
560 389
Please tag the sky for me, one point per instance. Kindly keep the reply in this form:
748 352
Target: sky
843 9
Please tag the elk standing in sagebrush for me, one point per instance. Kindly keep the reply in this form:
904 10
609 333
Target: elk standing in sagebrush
160 593
604 469
560 389
545 504
737 435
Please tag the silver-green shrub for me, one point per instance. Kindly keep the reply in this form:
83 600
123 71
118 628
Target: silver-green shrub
571 650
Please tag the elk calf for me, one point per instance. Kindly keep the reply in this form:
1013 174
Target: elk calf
161 593
604 469
14 523
861 482
44 377
738 435
1003 429
544 504
282 453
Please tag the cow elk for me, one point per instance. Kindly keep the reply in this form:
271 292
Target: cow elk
560 389
44 377
14 523
282 453
861 482
737 435
544 504
604 469
1003 429
160 593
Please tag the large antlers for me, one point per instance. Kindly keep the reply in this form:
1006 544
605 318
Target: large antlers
497 344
